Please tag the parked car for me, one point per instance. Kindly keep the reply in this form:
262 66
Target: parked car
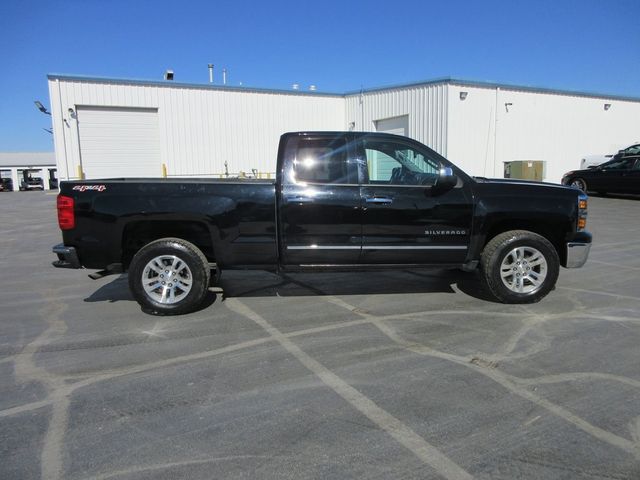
31 183
6 185
341 200
620 175
591 161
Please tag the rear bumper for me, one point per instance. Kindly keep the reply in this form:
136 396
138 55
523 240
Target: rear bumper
577 253
67 257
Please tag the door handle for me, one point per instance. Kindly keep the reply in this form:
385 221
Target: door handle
298 199
379 200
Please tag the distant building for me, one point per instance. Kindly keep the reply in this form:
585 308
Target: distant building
133 128
15 167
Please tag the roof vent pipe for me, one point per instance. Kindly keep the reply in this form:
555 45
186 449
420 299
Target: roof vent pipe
224 76
211 73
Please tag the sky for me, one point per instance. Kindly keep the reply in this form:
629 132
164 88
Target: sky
339 46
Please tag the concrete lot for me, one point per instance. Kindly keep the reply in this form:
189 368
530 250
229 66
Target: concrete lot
388 375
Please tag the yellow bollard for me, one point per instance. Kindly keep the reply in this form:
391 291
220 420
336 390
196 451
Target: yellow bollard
164 170
80 172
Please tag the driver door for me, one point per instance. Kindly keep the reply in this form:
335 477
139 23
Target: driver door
406 220
614 176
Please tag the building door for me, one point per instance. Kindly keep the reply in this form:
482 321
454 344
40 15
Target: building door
119 142
394 125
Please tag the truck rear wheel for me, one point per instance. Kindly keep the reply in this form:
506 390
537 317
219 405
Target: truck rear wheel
519 266
169 276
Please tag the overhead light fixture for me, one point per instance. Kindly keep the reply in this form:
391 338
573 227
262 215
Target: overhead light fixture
607 106
42 108
168 75
463 95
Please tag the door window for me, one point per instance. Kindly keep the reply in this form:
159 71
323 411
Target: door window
394 163
624 164
632 150
321 160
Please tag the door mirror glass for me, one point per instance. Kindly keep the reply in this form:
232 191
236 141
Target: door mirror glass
447 179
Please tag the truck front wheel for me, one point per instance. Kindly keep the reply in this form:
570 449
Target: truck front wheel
169 276
519 266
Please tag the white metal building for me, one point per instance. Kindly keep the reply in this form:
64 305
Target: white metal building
113 127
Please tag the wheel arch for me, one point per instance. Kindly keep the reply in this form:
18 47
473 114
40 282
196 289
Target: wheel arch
137 234
554 232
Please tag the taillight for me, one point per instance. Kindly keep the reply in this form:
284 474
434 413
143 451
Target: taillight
66 217
582 212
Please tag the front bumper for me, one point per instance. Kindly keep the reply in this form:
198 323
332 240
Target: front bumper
67 257
577 253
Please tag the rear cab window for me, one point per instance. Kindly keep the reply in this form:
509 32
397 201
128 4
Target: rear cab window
320 160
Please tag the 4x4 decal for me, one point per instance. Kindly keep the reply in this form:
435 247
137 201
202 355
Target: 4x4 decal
84 188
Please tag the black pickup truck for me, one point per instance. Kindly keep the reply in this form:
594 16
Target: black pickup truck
340 200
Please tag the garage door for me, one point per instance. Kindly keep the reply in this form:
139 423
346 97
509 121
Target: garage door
395 125
381 166
119 142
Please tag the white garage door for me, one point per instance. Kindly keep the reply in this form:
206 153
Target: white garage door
119 142
380 165
395 125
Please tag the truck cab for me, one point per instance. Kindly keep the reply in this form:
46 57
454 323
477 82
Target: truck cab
370 200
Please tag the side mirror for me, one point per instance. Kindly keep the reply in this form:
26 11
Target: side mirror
446 179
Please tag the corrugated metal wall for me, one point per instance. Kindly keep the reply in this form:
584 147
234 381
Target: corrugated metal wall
425 105
496 125
200 127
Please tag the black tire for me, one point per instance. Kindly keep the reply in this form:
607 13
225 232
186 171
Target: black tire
579 183
519 266
188 280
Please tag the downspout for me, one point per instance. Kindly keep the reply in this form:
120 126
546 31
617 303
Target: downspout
362 129
80 166
64 135
495 135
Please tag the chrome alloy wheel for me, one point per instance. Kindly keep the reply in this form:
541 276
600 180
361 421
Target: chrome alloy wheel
167 279
523 270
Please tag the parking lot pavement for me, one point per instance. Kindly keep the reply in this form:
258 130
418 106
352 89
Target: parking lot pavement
395 374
